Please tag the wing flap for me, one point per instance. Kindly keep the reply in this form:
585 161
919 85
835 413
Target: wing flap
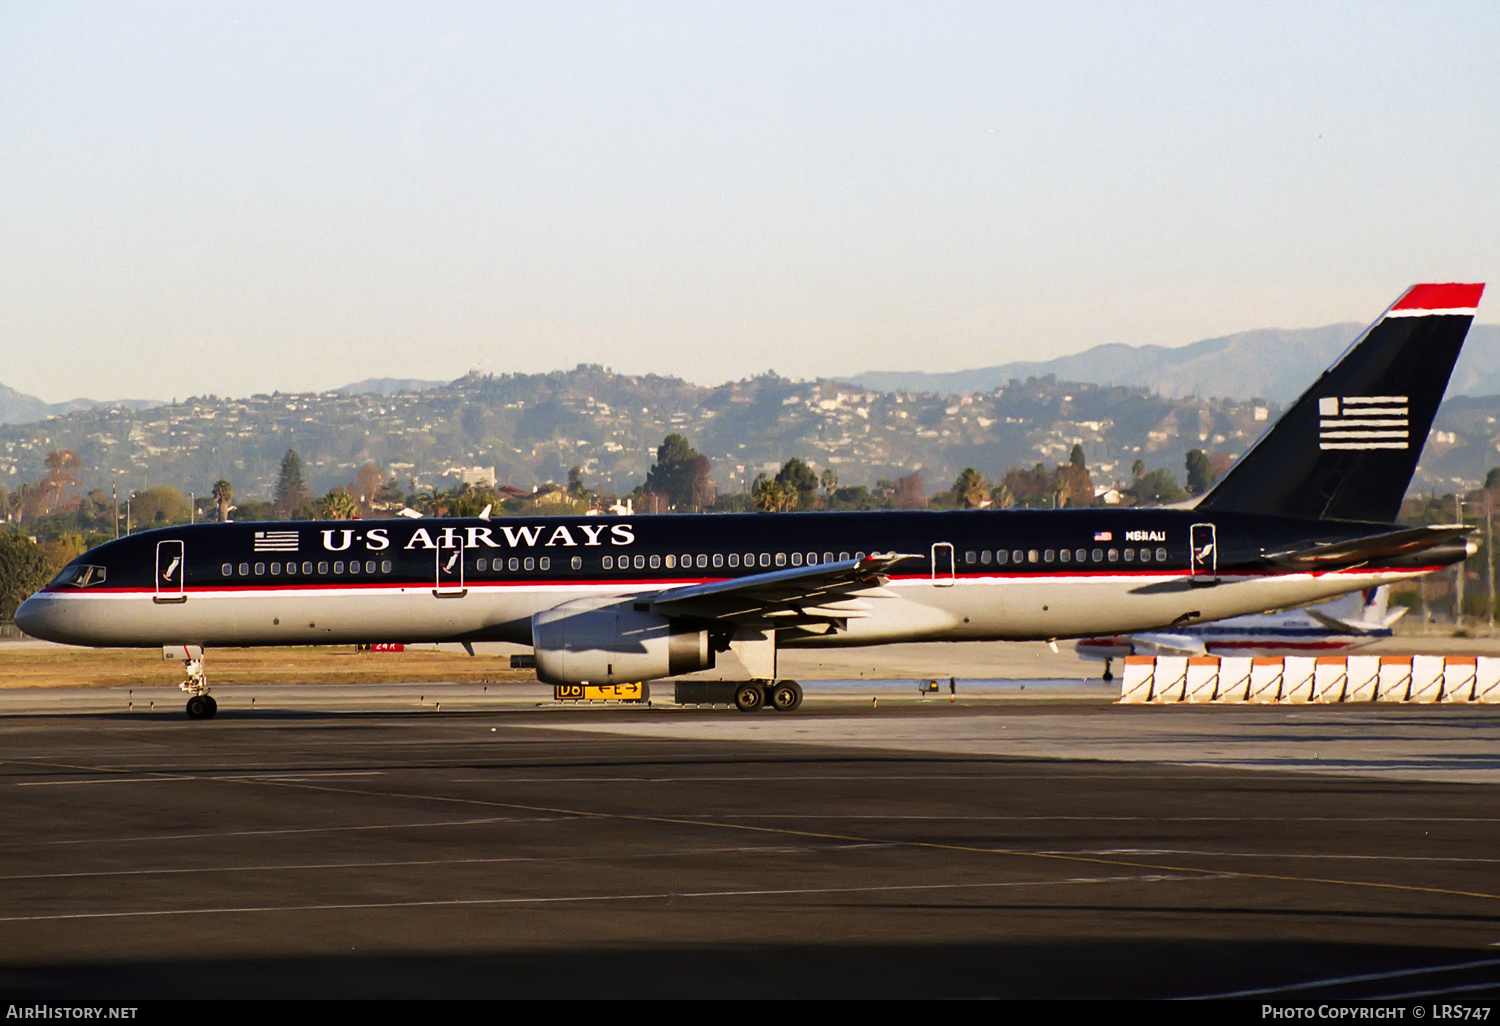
826 593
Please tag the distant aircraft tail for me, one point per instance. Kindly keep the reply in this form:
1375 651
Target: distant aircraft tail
1347 449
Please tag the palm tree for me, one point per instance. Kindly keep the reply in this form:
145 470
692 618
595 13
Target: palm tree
223 496
338 505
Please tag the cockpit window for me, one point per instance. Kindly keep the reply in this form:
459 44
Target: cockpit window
82 576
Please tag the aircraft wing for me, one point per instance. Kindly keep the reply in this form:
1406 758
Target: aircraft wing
1336 555
825 594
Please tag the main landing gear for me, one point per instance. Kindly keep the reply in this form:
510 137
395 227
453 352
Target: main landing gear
200 705
781 695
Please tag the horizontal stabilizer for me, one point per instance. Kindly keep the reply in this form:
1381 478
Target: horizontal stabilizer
1168 645
1385 547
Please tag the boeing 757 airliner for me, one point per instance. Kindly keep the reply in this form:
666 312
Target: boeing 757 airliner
1306 513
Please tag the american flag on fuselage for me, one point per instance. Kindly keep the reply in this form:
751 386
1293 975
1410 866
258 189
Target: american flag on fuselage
275 541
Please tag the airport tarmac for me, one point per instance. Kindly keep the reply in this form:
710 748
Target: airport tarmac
361 842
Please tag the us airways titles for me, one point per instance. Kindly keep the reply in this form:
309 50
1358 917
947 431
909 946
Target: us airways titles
377 539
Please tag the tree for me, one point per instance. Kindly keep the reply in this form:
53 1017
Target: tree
160 505
1200 472
705 492
1076 457
575 482
830 482
1155 488
23 571
909 491
291 489
771 496
672 476
223 496
970 490
798 478
369 481
60 475
338 505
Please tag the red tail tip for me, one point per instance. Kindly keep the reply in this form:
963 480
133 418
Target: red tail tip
1450 296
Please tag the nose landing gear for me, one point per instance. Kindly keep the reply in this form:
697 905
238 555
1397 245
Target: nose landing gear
200 706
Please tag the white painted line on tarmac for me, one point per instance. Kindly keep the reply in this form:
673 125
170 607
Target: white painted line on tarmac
779 849
103 780
1334 981
582 899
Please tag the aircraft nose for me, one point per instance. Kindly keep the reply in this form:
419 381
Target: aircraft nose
32 617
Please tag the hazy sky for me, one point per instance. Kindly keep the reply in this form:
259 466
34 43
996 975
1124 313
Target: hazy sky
234 198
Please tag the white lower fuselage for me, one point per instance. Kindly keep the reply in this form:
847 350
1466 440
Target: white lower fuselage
905 609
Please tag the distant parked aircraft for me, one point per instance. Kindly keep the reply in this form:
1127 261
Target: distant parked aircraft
1345 623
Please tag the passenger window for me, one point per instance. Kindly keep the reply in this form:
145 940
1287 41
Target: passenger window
971 557
322 568
275 569
859 555
984 557
1033 556
812 559
609 562
718 560
307 567
385 566
1114 555
338 567
781 559
530 564
1064 555
244 569
1161 555
1048 556
1130 555
843 557
765 559
227 570
1098 555
703 561
514 564
1145 555
1081 555
734 559
671 562
260 569
1018 556
640 562
796 559
687 560
481 565
1002 557
354 568
655 561
828 557
576 563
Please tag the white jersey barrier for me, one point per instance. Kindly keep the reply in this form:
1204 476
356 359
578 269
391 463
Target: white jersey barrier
1303 679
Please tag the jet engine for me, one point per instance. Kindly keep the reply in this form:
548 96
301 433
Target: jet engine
585 642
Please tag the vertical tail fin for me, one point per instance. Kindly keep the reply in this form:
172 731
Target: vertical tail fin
1347 448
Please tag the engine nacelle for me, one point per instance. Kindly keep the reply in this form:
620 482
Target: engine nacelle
586 641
